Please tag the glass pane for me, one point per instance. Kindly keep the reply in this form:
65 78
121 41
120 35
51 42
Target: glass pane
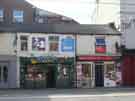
17 16
109 68
5 74
18 13
1 13
35 72
53 46
63 72
110 71
86 70
24 43
100 41
53 38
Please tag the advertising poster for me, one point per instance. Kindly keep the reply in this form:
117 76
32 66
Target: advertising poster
68 45
79 75
112 78
38 43
100 49
100 46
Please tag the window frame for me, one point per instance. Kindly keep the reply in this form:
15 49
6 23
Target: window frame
100 45
53 41
1 15
24 41
16 17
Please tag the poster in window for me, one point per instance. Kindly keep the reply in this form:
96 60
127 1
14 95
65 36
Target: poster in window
68 45
38 43
100 46
100 49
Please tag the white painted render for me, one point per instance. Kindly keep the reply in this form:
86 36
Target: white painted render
30 52
6 44
86 44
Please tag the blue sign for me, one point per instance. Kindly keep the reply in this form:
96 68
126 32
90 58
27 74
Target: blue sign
68 45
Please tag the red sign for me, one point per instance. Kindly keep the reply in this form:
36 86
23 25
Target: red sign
94 58
100 49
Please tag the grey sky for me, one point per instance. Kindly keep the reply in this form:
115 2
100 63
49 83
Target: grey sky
80 10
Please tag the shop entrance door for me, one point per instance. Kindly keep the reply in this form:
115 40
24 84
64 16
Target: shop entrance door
99 74
4 75
50 77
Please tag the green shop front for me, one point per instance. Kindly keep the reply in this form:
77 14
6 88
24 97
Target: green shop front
46 72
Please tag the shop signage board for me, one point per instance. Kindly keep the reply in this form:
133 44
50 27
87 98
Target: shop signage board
50 59
67 45
42 59
94 58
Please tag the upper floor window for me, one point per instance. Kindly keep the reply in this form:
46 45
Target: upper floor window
38 43
18 16
39 19
53 43
100 41
100 45
1 15
24 43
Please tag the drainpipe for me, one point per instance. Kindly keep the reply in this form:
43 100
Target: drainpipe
75 60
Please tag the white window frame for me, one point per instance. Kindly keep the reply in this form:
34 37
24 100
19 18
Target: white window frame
16 17
23 41
53 41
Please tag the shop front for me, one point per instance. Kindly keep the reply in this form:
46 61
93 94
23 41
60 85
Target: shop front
46 72
98 71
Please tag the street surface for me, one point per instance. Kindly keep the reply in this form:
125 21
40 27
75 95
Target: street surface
98 94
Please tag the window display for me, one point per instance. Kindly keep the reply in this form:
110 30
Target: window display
110 75
34 72
63 72
84 75
86 70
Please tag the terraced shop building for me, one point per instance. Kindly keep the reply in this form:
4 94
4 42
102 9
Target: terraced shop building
57 55
16 17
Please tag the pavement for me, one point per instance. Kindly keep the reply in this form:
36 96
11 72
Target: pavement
96 94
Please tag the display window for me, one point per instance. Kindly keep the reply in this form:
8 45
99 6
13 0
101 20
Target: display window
110 71
110 75
34 72
63 72
86 70
84 75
